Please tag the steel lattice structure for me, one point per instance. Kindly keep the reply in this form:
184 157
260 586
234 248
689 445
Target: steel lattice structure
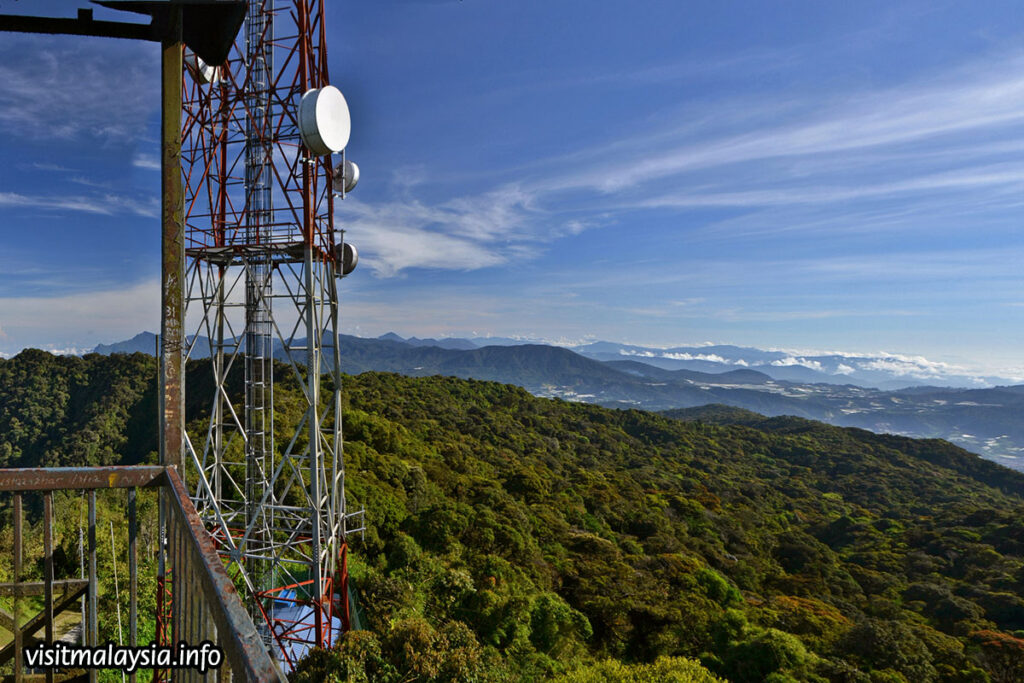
261 282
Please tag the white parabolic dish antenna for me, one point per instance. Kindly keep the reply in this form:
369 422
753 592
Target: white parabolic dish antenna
324 122
346 175
203 72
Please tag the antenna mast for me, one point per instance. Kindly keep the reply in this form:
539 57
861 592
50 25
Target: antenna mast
258 136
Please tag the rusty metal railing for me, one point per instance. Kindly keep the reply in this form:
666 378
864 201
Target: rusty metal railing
203 602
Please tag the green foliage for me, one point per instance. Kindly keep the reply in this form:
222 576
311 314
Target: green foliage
717 588
765 653
66 411
818 624
411 650
663 670
513 538
554 625
890 646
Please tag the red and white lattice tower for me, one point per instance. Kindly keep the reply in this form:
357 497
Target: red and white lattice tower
261 138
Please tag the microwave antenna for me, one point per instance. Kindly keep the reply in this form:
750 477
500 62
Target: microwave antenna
263 140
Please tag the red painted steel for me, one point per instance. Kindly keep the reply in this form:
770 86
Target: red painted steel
59 478
220 122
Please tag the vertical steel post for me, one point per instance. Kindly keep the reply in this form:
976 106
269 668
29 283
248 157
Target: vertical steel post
178 574
133 578
81 575
158 338
48 570
172 245
339 575
313 331
313 425
93 628
259 351
17 594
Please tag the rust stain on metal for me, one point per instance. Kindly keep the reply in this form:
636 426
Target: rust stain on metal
25 589
172 245
241 642
238 637
56 478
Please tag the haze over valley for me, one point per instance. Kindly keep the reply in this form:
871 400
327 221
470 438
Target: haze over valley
902 395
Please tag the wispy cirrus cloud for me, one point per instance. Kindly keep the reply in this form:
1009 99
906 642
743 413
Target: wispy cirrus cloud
809 162
394 246
53 168
147 162
738 314
982 96
999 177
61 88
745 62
465 233
106 204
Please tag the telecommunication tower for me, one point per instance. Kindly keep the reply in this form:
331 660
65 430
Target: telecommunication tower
263 138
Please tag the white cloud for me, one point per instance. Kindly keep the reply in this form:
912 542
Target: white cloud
58 88
1011 175
861 147
109 314
465 233
56 168
147 162
105 204
917 367
982 96
791 361
66 350
676 355
395 237
711 357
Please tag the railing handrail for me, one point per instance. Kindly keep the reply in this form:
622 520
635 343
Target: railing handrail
242 645
80 478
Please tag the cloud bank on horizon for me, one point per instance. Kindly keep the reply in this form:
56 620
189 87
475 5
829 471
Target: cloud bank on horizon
849 180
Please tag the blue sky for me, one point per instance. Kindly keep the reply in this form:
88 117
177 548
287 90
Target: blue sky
806 175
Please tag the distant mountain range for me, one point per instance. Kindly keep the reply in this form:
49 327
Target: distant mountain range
986 420
880 371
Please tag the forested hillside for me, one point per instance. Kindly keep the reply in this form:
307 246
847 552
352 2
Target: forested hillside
67 410
516 538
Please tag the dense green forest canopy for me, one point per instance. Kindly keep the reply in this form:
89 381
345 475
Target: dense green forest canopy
516 538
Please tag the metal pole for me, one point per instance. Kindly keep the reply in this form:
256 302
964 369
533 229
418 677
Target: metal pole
159 395
17 594
315 454
117 590
172 245
81 575
93 583
48 578
133 607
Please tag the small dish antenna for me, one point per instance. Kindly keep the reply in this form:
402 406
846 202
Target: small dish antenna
346 176
201 71
346 255
324 122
